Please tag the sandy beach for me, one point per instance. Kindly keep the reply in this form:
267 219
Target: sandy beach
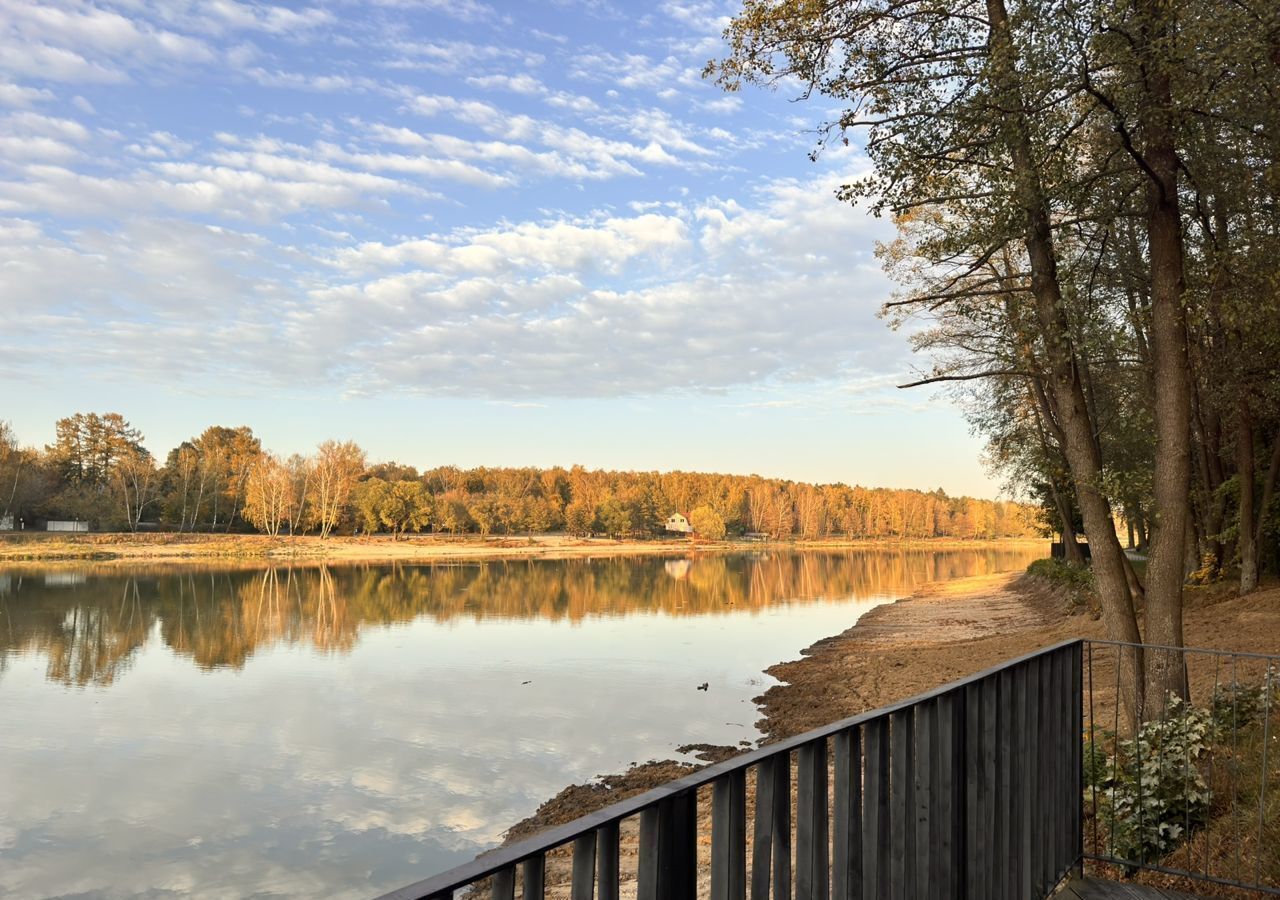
42 549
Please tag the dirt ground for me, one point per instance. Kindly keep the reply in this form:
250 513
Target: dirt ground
943 632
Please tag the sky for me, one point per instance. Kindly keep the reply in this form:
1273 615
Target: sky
457 232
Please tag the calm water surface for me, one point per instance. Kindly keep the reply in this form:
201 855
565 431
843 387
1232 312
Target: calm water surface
339 731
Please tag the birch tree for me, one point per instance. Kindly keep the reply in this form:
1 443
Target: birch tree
338 466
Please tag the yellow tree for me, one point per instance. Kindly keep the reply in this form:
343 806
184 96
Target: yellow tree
338 466
268 494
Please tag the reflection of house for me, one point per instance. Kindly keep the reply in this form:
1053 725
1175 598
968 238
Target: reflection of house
679 522
65 525
64 579
678 568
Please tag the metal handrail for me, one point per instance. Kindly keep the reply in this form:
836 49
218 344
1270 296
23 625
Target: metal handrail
501 862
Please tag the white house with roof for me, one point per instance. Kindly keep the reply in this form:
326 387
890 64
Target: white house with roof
678 522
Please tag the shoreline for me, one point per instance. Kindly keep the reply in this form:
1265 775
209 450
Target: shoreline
941 632
43 549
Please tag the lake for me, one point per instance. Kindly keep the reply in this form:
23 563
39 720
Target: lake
341 730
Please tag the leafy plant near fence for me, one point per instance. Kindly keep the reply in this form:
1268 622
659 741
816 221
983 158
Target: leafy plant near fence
1150 790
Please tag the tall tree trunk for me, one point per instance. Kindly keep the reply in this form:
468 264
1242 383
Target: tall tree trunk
1070 547
1065 388
1245 471
1268 490
1172 473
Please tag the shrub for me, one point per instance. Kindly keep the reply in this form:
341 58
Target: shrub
1151 790
1077 581
1237 705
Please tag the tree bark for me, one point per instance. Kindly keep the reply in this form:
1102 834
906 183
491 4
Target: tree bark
1245 471
1268 489
1065 388
1172 473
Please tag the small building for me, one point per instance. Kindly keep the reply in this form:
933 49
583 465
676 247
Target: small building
678 522
66 525
6 523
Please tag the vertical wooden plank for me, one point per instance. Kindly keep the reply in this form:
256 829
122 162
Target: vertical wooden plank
681 851
1002 739
607 884
1075 785
923 820
502 884
649 865
1045 800
1028 773
875 810
533 877
762 833
976 792
728 837
846 874
1052 760
951 771
902 802
782 827
584 867
812 866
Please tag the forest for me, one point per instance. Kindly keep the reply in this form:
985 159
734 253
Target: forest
98 471
1085 197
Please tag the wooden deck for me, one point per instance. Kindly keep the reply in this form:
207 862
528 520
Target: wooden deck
1096 889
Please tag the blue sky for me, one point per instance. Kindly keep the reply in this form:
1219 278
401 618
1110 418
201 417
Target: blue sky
457 232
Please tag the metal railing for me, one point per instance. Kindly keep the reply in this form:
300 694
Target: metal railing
1195 790
970 790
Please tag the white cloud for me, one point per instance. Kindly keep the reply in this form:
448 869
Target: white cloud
518 84
21 96
723 105
702 298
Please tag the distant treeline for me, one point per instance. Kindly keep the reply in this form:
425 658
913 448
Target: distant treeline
98 471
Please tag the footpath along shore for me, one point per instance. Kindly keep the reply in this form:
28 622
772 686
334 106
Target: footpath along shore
944 631
43 548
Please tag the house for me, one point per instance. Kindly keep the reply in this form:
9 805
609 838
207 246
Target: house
678 522
65 525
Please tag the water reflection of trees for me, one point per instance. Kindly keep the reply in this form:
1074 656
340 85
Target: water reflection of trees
90 632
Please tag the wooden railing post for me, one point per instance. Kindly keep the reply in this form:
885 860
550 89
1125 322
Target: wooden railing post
812 859
846 875
729 837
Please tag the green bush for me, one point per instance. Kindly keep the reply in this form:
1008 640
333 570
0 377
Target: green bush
1237 705
1076 580
1150 790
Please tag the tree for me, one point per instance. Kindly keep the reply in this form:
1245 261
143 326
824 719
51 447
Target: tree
614 517
338 466
406 507
1047 162
135 479
84 457
301 469
707 523
369 497
19 474
579 518
269 494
